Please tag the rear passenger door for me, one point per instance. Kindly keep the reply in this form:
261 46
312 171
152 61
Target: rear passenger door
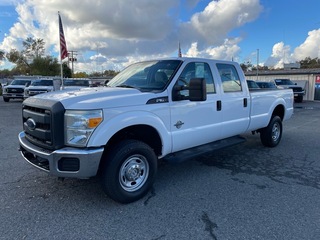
234 101
194 123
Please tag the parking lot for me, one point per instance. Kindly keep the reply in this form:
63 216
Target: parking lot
242 192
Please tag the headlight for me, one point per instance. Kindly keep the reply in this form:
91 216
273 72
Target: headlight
79 125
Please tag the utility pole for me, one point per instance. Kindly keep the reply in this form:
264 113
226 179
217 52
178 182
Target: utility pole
72 58
257 63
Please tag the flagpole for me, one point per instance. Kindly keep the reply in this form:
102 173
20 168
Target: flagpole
61 69
63 48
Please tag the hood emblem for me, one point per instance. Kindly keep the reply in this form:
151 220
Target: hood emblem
31 124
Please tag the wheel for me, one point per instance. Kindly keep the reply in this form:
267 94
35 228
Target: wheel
129 171
5 99
270 136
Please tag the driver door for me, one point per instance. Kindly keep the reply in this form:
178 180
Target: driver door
195 123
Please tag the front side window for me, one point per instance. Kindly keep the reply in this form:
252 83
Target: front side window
229 77
195 70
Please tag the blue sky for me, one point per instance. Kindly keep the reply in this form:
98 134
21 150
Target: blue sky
113 33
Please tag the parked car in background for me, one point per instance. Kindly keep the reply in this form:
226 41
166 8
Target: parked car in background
15 90
39 86
252 85
298 91
267 85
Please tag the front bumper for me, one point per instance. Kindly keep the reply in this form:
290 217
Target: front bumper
296 94
13 95
65 162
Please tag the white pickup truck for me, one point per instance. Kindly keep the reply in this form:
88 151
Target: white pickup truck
169 109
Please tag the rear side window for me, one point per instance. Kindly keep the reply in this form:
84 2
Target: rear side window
229 77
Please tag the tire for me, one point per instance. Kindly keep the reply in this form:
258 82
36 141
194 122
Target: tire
299 99
129 171
270 136
6 99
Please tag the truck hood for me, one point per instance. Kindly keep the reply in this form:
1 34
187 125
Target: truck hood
100 97
39 87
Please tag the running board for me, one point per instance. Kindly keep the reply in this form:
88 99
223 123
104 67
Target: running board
203 149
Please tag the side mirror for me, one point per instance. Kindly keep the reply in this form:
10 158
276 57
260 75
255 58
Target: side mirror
197 89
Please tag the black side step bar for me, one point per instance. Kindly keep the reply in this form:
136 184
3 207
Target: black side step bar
203 149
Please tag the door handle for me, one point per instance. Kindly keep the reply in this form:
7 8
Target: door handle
245 102
219 105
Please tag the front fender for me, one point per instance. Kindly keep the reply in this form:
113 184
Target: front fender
111 125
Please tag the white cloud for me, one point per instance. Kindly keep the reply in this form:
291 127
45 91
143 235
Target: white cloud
126 31
220 17
310 47
193 50
281 54
228 50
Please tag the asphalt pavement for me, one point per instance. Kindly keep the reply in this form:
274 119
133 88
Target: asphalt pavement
246 191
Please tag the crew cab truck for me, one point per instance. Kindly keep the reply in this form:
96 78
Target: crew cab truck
169 109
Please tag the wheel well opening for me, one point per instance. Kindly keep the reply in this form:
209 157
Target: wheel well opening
279 111
144 133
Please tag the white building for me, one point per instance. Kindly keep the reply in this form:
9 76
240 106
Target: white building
309 79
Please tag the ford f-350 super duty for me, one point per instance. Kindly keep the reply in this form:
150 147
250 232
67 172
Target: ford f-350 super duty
168 109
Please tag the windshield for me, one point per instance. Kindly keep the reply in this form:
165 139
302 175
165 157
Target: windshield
146 76
284 82
20 82
42 83
81 83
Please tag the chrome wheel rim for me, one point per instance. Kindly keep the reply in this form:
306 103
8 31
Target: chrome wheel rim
134 173
275 132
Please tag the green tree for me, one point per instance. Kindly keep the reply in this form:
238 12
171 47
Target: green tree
310 63
80 75
33 48
246 66
16 57
67 73
110 73
32 60
45 66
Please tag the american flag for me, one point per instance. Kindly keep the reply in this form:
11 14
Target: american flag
63 44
